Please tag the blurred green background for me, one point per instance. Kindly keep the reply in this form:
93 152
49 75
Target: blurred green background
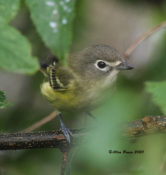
117 23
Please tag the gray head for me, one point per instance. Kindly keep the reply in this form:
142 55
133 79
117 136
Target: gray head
97 62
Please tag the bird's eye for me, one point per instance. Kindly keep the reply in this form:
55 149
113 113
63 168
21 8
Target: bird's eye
101 64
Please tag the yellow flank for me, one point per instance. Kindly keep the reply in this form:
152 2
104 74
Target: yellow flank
62 99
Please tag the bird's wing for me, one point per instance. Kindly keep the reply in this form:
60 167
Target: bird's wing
60 78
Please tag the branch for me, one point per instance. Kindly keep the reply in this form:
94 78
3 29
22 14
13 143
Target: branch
144 36
55 139
147 125
31 140
64 162
51 139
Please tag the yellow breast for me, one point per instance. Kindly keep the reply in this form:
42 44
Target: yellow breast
62 99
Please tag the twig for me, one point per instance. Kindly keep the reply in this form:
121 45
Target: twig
144 36
41 122
64 162
55 139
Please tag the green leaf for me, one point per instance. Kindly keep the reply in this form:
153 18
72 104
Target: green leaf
53 20
158 92
14 48
15 52
8 9
107 132
3 101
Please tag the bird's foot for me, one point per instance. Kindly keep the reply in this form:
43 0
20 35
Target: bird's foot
66 131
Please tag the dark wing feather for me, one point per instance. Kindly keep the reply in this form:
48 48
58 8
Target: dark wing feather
59 77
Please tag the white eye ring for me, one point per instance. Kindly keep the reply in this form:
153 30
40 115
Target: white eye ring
102 65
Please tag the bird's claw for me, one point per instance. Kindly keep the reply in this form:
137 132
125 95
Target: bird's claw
66 131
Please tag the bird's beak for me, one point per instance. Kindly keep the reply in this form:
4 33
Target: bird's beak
124 66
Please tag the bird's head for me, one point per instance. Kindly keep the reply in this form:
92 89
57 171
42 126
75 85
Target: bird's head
98 62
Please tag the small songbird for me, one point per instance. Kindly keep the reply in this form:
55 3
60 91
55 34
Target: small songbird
77 86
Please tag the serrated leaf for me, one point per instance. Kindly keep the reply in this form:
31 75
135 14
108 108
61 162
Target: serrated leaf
158 92
3 101
53 20
8 9
15 52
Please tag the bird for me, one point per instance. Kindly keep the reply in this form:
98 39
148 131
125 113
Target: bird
78 85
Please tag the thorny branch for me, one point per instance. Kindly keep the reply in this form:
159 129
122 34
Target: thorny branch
55 139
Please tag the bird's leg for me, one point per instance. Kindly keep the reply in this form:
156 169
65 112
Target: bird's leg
66 132
91 115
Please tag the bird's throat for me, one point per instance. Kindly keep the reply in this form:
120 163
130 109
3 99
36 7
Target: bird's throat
110 79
